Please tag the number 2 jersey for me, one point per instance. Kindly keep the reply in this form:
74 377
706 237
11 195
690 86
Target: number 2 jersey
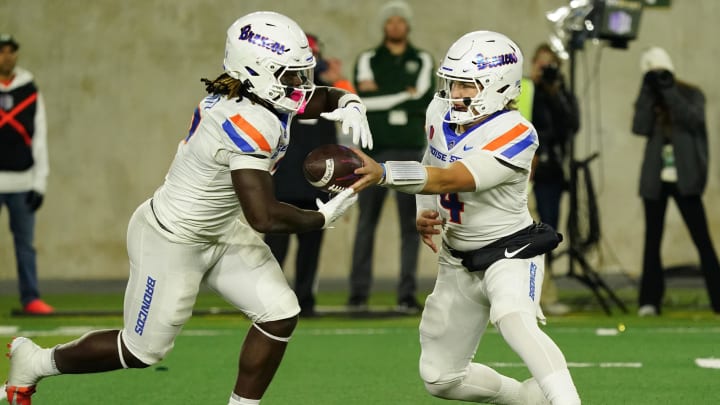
475 219
197 201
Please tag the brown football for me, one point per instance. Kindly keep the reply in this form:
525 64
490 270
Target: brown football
330 167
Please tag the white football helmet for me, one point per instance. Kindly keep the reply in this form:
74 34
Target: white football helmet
489 60
270 52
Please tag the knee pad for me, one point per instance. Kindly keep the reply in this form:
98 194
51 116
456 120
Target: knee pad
437 382
147 356
280 330
442 389
477 383
432 372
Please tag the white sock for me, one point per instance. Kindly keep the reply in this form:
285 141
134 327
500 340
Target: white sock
480 384
509 392
542 356
236 399
559 388
531 393
45 364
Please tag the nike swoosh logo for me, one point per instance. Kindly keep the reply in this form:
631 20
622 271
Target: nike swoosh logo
467 148
512 254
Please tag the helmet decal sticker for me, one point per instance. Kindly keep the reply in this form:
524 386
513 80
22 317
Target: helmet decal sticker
246 34
494 61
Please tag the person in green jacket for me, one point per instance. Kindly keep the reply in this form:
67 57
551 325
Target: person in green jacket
395 80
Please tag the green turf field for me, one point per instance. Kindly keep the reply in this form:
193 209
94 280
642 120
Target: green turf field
338 360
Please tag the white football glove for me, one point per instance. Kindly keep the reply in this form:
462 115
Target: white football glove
333 209
353 118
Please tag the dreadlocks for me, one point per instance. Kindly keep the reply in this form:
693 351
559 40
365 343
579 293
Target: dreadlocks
225 85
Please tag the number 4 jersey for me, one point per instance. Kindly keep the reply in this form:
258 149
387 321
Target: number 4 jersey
497 207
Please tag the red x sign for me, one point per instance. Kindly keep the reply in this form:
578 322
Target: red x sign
9 118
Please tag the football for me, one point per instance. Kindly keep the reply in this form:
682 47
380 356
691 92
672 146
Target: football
330 167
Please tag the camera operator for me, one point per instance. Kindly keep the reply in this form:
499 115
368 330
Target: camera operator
556 118
671 114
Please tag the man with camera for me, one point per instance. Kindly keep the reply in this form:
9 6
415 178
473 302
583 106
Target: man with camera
556 118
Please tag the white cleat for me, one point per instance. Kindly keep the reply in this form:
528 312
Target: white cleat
647 310
532 394
22 376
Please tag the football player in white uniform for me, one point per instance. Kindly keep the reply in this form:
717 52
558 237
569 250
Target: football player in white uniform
201 224
473 181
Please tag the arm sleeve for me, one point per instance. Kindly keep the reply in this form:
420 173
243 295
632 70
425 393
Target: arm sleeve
386 102
363 71
423 84
487 170
425 77
41 168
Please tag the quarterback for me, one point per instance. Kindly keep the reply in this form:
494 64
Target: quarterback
472 189
202 224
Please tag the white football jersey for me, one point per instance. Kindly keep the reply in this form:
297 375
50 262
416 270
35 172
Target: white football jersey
197 202
475 219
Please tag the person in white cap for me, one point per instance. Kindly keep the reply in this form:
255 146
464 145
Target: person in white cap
671 115
395 81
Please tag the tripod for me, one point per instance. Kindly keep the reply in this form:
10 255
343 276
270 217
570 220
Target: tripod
578 245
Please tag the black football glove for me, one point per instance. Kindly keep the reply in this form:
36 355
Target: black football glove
34 200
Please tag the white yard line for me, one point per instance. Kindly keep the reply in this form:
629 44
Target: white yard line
13 330
572 364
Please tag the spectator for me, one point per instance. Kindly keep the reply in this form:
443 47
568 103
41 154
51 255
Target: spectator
556 119
472 184
201 225
328 71
292 188
396 83
671 114
23 166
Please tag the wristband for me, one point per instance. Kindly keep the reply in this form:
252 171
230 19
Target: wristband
347 99
384 175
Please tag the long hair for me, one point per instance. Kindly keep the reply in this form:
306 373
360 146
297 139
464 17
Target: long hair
226 86
545 47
